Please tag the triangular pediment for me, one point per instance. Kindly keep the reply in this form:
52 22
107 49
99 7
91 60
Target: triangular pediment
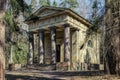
45 11
48 11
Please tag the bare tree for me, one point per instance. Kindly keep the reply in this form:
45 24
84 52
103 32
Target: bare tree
112 39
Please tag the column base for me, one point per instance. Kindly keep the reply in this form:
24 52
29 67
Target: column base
63 66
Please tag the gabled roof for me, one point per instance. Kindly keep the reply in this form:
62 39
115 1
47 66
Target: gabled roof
35 15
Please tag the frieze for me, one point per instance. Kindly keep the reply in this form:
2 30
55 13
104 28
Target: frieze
76 23
58 19
46 22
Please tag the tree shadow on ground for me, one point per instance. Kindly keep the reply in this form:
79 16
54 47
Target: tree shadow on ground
19 77
75 73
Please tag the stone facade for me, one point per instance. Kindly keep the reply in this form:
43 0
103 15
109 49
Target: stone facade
64 39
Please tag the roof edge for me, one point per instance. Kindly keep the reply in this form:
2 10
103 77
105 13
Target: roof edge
60 8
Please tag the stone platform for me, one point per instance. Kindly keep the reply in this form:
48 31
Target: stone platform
43 67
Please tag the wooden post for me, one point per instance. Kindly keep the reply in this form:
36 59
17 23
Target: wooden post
53 45
31 49
41 47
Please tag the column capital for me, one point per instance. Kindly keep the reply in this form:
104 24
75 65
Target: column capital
30 33
77 29
30 37
66 25
41 30
52 27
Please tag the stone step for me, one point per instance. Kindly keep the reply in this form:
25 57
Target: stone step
42 67
36 59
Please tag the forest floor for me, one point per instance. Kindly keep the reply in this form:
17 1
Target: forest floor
53 75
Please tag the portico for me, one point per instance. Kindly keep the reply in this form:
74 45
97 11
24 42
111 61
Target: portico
49 44
60 33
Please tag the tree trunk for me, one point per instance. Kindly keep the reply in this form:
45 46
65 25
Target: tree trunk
112 41
2 43
2 39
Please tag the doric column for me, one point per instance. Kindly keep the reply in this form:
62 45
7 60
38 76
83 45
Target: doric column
77 44
41 47
31 49
66 42
53 45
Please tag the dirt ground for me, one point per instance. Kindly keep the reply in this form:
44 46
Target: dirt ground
15 75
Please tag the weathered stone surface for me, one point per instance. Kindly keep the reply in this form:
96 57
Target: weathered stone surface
14 67
53 45
70 36
67 42
74 46
62 66
31 49
41 47
47 49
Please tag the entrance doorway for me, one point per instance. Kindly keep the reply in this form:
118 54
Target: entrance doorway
58 53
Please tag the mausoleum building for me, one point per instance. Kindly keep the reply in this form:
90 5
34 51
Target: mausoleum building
61 40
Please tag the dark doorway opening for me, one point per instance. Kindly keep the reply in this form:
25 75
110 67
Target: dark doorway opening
58 53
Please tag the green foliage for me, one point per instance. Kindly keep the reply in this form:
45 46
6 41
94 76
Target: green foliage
12 12
97 11
33 4
28 11
19 44
48 2
19 5
10 20
15 5
95 19
69 4
54 3
20 52
95 4
63 3
44 2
